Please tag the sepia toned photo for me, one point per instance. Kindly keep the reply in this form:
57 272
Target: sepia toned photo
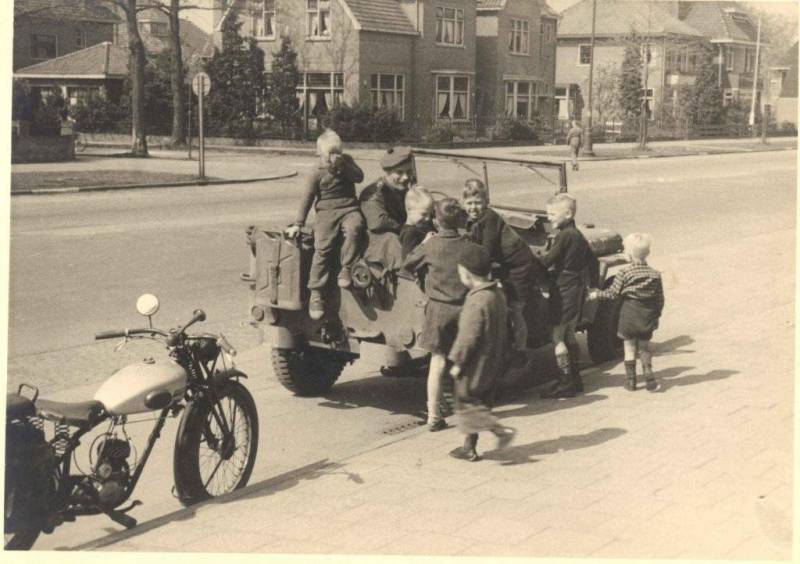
398 278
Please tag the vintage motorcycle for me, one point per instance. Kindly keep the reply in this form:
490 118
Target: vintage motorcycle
215 446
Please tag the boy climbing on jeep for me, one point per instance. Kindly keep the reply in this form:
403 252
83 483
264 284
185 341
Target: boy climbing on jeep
339 224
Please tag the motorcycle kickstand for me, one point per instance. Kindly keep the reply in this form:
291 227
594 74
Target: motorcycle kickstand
127 509
123 519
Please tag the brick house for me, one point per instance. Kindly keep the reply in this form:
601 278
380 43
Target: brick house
731 29
419 56
45 30
668 44
515 60
783 87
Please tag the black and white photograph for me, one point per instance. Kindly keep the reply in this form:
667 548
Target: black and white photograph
355 280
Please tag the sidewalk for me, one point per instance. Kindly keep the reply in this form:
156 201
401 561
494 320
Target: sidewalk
701 469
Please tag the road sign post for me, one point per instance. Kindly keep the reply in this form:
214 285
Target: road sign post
201 85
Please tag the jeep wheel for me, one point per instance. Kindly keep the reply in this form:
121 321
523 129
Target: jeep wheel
308 371
604 345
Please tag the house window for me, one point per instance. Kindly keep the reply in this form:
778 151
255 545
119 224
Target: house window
388 92
749 60
43 46
546 31
522 98
156 29
323 90
449 26
81 95
80 39
518 40
319 17
452 97
727 97
584 54
262 18
729 58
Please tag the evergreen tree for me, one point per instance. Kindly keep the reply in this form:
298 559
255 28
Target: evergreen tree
237 82
705 101
630 82
282 103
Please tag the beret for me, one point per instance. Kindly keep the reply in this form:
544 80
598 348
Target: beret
395 156
475 258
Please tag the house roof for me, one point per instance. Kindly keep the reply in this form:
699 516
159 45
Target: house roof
75 10
379 15
721 21
486 5
619 17
104 60
549 12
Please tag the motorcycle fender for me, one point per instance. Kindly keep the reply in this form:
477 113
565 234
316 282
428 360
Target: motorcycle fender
279 337
222 376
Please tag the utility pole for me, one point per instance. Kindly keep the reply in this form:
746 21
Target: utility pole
588 149
755 80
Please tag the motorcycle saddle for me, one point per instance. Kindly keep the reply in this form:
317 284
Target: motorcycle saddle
78 414
18 407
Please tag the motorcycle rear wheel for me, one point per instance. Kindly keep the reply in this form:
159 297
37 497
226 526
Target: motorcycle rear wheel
23 538
206 463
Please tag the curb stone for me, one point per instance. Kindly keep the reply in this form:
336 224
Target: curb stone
72 189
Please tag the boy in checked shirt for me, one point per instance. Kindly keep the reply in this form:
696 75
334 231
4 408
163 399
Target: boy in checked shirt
642 294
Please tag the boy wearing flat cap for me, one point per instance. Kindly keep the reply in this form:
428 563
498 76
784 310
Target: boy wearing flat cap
478 352
383 201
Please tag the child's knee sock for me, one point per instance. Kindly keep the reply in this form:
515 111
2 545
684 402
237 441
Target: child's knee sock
435 376
630 373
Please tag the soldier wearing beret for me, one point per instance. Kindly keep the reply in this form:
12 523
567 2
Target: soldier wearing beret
383 201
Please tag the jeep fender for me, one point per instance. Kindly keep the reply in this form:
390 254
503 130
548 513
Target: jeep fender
279 337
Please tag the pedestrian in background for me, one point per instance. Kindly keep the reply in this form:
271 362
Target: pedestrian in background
642 294
575 142
479 351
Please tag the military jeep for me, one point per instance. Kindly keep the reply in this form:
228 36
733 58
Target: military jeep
381 316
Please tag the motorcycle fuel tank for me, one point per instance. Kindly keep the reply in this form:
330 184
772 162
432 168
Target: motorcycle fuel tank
124 393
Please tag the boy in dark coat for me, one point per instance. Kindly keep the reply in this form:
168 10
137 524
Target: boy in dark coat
576 269
339 225
419 224
519 268
436 261
478 351
639 285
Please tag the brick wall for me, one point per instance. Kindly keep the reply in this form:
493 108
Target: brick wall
65 32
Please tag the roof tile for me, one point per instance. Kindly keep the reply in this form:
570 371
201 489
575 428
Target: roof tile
101 59
380 15
619 17
80 10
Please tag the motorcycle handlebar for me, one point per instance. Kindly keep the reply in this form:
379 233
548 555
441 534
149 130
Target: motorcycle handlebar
225 345
128 333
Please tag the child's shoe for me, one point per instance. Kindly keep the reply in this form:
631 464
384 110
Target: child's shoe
504 435
650 380
344 280
651 384
438 425
316 305
630 373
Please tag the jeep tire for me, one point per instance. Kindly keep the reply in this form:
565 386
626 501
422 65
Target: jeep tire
308 371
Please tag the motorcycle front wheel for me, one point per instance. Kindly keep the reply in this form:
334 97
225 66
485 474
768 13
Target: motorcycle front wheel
209 462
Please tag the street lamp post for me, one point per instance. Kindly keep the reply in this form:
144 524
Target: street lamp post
588 150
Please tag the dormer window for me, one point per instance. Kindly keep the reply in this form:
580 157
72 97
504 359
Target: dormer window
737 15
449 26
319 17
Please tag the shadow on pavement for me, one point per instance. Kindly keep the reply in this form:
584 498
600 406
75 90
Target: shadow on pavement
669 377
398 396
524 454
673 346
537 406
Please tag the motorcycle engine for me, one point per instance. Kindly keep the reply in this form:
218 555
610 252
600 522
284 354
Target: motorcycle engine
111 470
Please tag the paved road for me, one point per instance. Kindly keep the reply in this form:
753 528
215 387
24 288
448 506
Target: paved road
79 261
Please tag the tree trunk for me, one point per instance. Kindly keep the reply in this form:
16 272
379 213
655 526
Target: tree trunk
176 80
137 64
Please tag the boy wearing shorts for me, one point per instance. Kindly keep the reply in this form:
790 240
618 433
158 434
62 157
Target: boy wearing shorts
642 294
576 268
339 225
436 260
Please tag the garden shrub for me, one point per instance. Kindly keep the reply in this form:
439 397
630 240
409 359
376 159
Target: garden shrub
514 129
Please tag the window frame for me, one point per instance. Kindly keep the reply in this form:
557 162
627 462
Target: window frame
458 31
536 91
378 90
452 96
82 39
316 13
580 54
335 86
749 60
34 44
521 32
260 13
649 100
730 58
